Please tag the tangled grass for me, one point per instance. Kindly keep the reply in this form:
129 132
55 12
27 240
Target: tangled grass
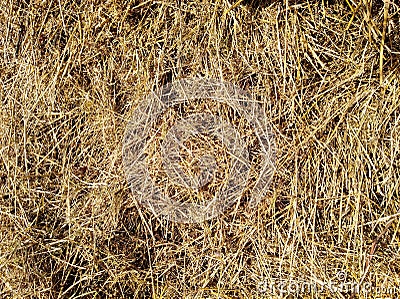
71 73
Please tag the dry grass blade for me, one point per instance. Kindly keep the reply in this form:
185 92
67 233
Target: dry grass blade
326 74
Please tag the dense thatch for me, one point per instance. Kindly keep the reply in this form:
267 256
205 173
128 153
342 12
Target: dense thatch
72 71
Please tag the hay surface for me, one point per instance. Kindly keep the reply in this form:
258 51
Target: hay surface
72 71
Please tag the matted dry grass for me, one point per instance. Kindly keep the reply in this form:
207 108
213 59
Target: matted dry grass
71 73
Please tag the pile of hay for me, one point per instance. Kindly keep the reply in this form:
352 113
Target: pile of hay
71 73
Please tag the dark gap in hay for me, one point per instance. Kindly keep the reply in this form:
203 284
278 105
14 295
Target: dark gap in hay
136 16
21 36
77 3
136 229
118 96
250 81
62 35
41 44
46 257
113 29
81 75
333 124
173 59
79 197
228 33
307 68
375 6
64 282
20 8
258 4
125 244
189 17
393 35
48 221
167 76
66 265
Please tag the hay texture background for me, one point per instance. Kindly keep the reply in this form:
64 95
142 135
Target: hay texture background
71 72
